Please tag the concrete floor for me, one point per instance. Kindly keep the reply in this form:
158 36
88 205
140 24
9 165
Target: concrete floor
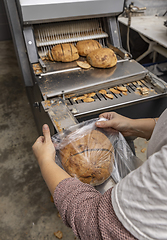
26 209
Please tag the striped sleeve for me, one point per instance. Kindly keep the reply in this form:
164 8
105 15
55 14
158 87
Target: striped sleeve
87 212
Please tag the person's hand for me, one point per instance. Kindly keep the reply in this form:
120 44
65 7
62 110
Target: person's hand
44 151
43 148
116 122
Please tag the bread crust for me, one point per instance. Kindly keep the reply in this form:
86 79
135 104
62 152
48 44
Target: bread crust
87 46
90 158
66 52
102 58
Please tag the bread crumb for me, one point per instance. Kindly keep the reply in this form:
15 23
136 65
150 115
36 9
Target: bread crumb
113 90
143 150
109 96
124 93
88 100
58 234
81 97
92 94
122 89
74 98
102 91
143 90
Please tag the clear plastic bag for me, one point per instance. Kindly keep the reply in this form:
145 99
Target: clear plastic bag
92 154
125 160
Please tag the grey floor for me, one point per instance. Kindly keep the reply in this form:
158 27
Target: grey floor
26 209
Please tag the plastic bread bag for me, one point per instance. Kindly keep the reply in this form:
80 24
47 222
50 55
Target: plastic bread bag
125 160
92 154
85 152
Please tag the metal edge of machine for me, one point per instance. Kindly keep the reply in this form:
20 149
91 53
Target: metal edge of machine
44 11
31 86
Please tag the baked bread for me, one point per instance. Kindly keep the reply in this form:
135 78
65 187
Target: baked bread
87 46
83 64
89 158
102 58
66 52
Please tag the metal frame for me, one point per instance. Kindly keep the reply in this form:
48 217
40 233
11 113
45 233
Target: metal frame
18 40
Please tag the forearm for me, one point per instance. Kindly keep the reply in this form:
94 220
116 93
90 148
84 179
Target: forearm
89 213
77 204
142 127
127 126
52 174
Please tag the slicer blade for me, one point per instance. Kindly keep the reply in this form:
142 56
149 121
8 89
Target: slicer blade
48 35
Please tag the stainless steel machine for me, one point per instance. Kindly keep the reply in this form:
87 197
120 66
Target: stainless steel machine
54 88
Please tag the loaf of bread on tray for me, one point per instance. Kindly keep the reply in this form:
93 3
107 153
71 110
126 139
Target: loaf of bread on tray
89 158
102 58
87 46
66 52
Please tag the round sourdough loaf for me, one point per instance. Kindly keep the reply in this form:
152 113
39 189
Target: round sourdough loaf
87 46
89 158
102 58
66 52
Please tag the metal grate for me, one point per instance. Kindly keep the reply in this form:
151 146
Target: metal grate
133 95
131 88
